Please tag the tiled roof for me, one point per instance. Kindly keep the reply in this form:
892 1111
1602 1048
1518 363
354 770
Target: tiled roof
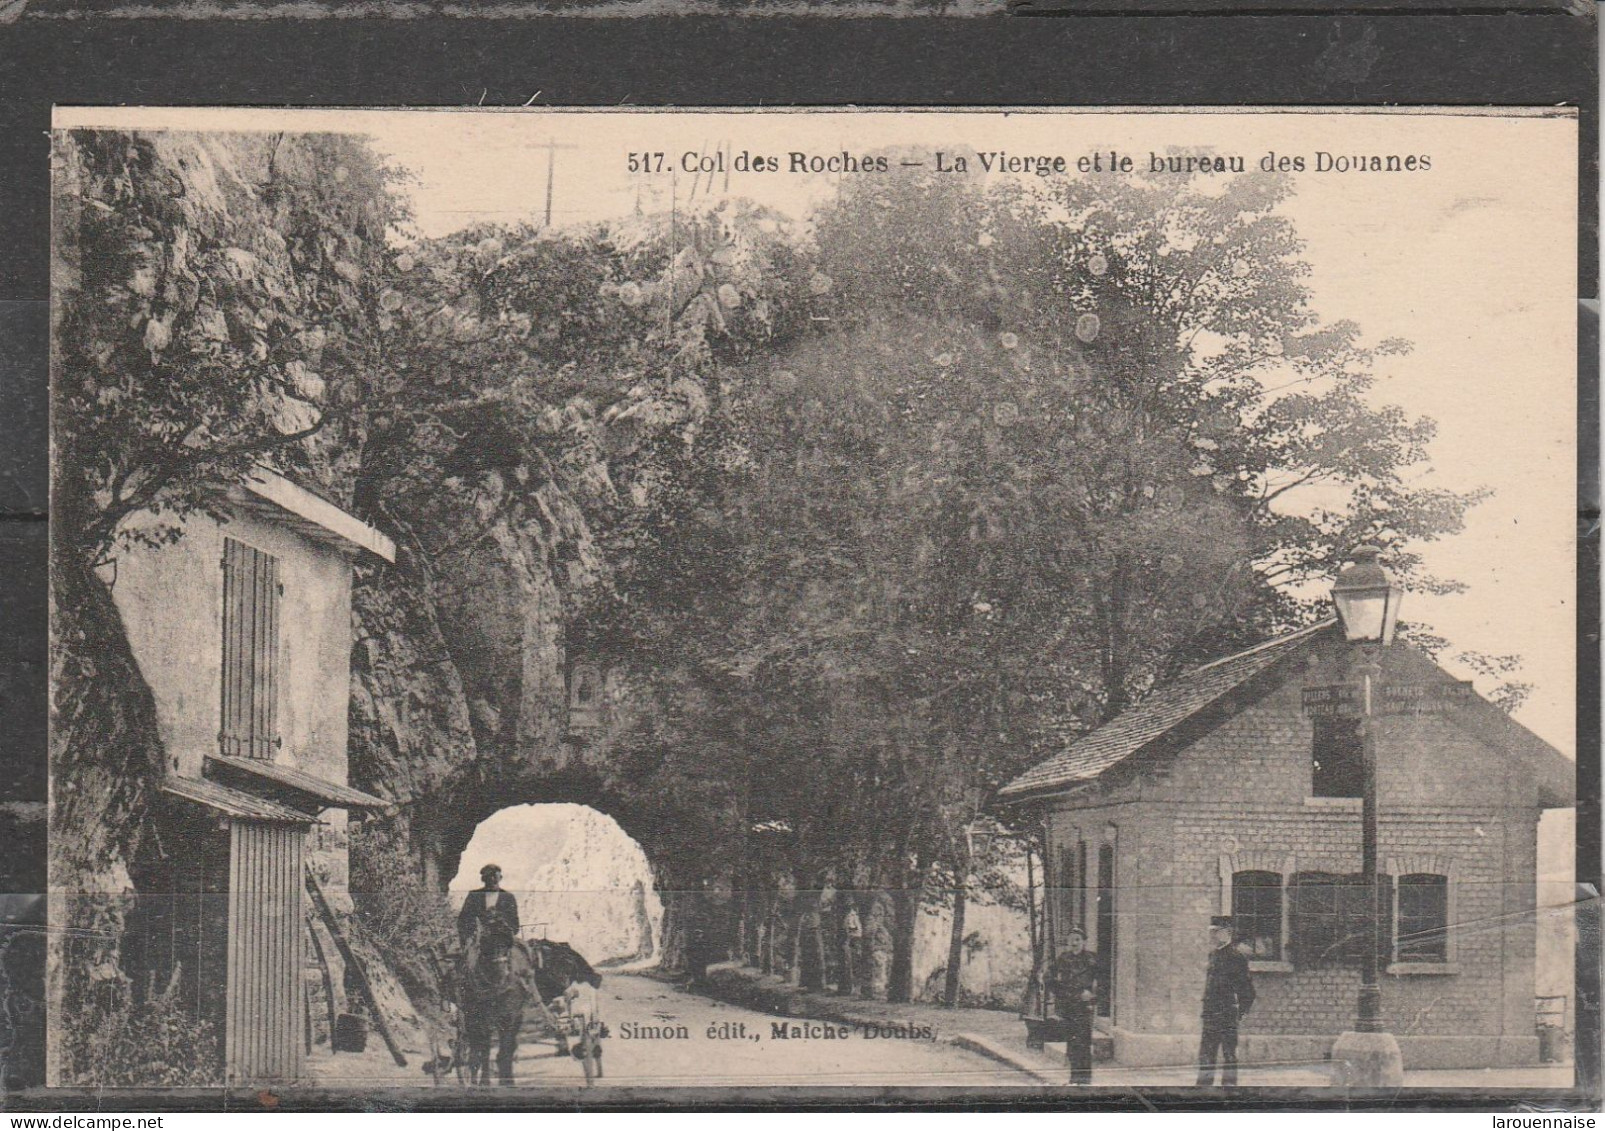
326 792
1160 712
234 802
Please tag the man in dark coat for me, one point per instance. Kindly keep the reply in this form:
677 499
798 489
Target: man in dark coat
1074 981
492 910
1228 995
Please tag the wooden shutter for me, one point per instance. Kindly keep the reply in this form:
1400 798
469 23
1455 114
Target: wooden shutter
250 651
1423 917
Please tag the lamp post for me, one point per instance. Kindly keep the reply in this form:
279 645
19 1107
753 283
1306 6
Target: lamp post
1367 603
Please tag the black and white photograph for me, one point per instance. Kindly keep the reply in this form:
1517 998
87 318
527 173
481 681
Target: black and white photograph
582 601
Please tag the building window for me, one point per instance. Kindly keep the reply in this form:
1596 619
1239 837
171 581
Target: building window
1423 918
1338 758
1330 919
250 651
1072 887
1257 914
1065 897
1081 884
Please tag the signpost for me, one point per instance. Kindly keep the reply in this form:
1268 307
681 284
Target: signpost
1368 700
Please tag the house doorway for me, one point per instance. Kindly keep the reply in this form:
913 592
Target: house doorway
175 946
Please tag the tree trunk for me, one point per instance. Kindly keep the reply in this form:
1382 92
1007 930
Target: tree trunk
766 946
810 941
742 952
955 944
1115 660
905 913
677 919
794 938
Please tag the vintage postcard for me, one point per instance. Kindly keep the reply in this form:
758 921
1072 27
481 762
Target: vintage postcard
962 599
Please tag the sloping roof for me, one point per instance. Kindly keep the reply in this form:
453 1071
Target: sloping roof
1161 711
313 515
234 802
297 781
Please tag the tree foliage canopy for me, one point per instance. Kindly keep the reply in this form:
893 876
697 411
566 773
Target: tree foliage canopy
868 512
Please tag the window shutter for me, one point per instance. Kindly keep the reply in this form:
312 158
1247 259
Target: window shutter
250 651
1423 918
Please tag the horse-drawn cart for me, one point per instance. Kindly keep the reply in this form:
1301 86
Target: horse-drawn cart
489 991
573 1024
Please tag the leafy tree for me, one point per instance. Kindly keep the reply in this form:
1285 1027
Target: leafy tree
1010 474
869 515
214 302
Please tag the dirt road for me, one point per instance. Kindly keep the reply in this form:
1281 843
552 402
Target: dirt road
662 1036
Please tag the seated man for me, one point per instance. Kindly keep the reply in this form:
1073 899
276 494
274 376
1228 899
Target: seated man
490 910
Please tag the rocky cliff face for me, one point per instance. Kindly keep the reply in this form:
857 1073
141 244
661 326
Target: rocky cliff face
459 675
409 728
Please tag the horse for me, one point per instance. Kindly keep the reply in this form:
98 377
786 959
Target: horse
496 985
493 988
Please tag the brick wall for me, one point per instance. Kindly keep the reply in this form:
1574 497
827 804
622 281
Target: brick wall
1240 794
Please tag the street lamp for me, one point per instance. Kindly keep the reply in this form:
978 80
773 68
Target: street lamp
1367 603
1367 600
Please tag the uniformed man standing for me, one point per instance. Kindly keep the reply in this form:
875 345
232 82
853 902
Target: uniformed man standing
1074 980
1228 995
490 909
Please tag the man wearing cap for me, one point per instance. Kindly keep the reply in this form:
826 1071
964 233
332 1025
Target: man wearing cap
1228 994
1074 980
492 910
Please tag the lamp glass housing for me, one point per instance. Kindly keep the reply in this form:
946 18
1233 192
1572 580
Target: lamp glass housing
1367 601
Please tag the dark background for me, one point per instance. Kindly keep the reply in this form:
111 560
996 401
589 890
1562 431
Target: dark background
1119 52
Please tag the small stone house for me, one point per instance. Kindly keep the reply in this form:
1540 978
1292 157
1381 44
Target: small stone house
242 630
1218 794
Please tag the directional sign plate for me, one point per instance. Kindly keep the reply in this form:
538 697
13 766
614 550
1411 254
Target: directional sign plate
1420 698
1347 700
1334 700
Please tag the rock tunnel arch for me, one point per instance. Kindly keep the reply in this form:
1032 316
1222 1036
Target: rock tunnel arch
438 829
464 703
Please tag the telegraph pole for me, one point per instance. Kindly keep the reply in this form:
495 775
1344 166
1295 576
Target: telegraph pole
551 174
